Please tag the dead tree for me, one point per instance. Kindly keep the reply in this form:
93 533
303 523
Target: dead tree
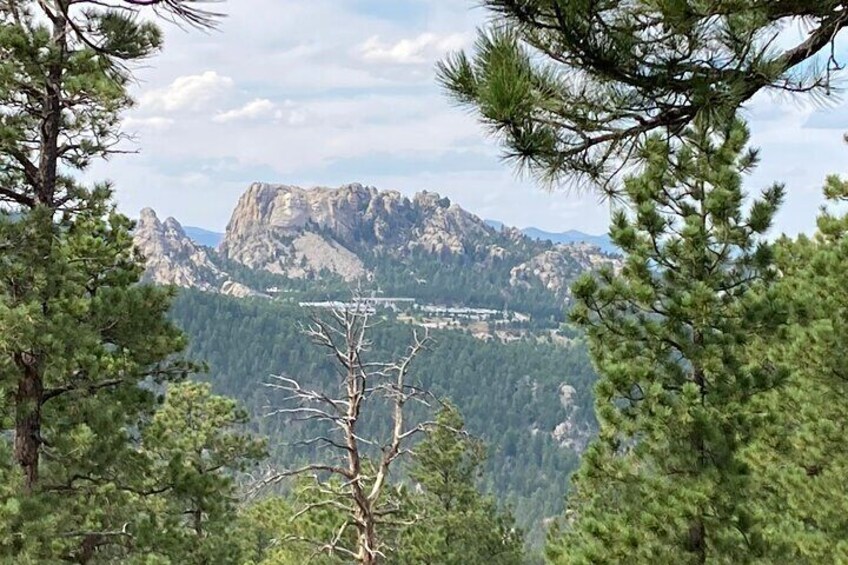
361 465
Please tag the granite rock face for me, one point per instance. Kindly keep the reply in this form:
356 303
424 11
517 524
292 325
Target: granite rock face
555 268
348 232
171 257
300 232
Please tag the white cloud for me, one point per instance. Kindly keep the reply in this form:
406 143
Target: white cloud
291 114
191 92
150 123
359 102
421 49
287 113
255 109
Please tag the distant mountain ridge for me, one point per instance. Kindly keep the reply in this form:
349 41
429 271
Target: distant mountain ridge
570 236
425 245
203 236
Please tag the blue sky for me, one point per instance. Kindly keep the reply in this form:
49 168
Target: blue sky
325 92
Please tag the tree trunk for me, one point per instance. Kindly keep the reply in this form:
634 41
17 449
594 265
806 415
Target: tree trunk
28 419
368 543
30 392
698 540
51 123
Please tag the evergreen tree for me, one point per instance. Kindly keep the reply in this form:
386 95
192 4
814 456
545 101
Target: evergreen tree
673 337
196 444
801 465
572 87
458 525
285 535
75 322
78 334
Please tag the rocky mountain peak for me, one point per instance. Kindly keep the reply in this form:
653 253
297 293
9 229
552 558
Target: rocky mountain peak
174 227
148 216
282 228
353 232
171 257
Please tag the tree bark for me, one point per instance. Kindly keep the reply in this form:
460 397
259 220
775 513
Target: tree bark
51 123
28 419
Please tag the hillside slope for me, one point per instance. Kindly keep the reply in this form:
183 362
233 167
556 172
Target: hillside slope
530 400
494 298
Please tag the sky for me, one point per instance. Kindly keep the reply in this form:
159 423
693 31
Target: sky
329 92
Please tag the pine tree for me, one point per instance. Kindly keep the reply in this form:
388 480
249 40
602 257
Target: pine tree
78 334
196 444
284 535
573 87
673 337
76 320
800 467
458 525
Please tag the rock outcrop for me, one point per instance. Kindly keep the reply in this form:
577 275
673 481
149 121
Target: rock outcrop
355 232
300 232
239 290
557 267
171 257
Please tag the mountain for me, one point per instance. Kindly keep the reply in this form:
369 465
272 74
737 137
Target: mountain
173 258
297 232
573 236
203 237
603 242
323 240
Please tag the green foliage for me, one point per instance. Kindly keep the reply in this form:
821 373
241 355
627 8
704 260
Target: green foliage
298 527
801 465
195 444
76 319
71 66
472 280
282 537
572 87
456 525
245 341
674 338
83 347
442 519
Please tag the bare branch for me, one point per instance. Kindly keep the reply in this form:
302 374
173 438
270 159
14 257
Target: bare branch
343 332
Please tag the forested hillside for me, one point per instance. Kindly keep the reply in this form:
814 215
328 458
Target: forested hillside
510 394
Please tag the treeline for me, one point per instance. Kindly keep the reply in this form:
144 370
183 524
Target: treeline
470 280
473 279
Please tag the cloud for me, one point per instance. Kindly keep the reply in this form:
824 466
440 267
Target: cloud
255 109
262 108
355 98
152 123
191 92
421 49
388 164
